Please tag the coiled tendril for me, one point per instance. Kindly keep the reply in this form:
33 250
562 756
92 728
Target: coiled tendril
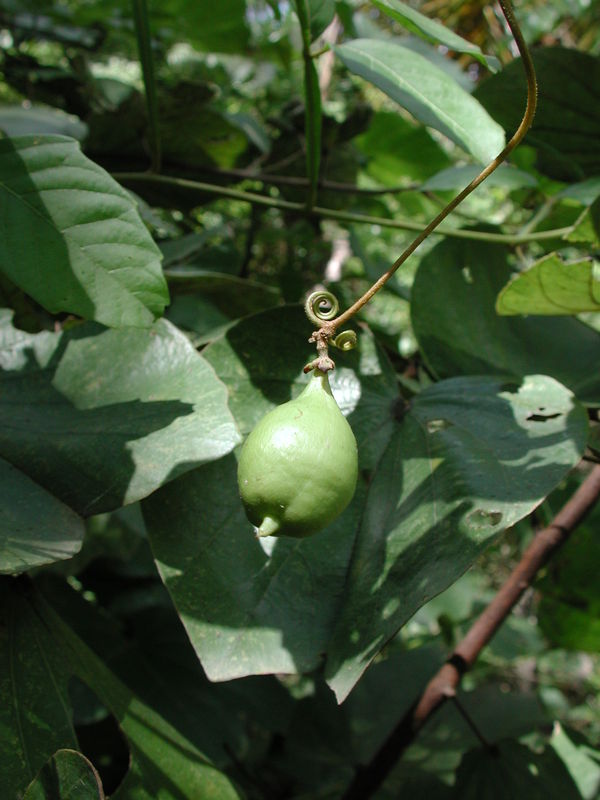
346 340
321 307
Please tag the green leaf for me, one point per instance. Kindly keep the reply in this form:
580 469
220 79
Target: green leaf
585 192
234 598
552 287
34 716
458 177
246 610
215 27
497 713
398 150
569 612
467 337
513 770
20 121
41 652
580 758
254 607
470 458
148 649
432 31
101 418
67 775
318 15
586 229
566 130
35 527
233 296
425 90
71 236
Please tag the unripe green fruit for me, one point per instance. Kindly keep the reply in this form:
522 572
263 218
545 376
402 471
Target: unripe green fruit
298 468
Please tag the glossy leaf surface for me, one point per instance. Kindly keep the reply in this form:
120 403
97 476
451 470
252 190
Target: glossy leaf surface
100 418
425 90
35 527
99 261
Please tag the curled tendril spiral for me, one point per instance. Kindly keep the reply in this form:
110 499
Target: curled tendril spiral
346 340
321 306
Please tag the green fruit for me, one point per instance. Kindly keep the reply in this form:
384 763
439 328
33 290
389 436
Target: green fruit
297 470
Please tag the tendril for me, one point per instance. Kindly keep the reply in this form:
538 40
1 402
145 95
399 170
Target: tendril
346 340
321 306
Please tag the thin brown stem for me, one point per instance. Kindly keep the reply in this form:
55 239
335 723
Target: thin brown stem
493 165
445 683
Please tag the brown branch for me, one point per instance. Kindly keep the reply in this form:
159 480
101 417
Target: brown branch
445 683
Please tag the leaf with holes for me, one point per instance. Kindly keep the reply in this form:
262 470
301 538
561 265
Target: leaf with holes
471 457
468 458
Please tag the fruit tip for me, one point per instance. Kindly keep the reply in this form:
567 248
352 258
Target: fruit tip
268 527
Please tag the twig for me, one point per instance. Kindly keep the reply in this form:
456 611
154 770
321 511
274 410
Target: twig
134 179
444 684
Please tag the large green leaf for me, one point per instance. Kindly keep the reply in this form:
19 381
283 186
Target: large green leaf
316 15
514 770
101 418
566 129
71 237
41 653
431 30
246 610
552 287
398 150
483 448
216 27
233 296
428 92
20 121
459 331
455 178
220 577
569 611
470 458
580 758
67 775
35 527
34 716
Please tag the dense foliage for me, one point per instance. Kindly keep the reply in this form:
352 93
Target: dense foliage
174 180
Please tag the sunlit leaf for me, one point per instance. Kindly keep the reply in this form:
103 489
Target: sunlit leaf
428 92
